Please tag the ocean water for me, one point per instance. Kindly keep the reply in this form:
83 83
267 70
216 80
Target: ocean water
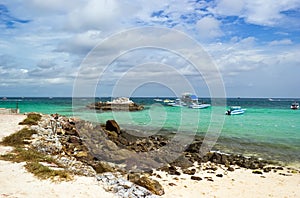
269 128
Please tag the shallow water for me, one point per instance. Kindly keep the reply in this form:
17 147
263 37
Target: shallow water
268 129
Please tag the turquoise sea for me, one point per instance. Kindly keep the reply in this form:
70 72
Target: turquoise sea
268 129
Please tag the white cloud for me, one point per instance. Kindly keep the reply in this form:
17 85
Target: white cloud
229 7
209 27
80 43
100 15
265 13
281 42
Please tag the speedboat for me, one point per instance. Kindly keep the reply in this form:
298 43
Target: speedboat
158 100
177 103
235 110
295 105
199 106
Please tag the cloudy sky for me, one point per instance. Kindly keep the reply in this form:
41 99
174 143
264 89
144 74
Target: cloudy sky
254 45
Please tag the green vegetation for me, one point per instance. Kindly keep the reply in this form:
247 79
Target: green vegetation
44 172
32 119
26 155
32 157
17 139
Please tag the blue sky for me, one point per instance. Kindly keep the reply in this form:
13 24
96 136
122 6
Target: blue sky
255 44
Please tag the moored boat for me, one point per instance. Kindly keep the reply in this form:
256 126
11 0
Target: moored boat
199 106
295 105
235 110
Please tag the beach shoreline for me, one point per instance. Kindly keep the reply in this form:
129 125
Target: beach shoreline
206 182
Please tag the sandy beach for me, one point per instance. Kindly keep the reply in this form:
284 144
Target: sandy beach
16 182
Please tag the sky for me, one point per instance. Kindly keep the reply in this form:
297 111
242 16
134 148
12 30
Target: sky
253 46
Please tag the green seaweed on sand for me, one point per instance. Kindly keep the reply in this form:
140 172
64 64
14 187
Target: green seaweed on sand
24 153
32 119
17 139
44 172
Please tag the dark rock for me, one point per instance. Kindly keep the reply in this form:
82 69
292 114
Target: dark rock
172 184
172 170
189 171
133 177
230 169
74 139
196 178
209 179
102 167
267 169
194 147
112 125
150 184
216 158
106 106
158 176
182 162
219 175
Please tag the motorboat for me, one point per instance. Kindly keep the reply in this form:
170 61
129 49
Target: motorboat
188 100
177 103
168 101
235 110
158 100
199 106
295 105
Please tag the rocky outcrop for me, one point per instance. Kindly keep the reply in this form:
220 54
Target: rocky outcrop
93 150
108 106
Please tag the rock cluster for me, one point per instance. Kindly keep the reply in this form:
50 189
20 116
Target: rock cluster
106 106
63 138
110 153
114 182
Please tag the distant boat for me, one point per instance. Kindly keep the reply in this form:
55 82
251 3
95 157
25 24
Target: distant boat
168 101
295 105
235 110
158 100
177 103
199 106
188 100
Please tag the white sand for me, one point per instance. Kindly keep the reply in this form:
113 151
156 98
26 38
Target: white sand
16 182
239 183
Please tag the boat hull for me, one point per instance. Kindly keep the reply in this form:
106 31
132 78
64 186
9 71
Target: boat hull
201 106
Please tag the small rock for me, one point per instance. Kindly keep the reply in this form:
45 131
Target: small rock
209 179
151 185
257 172
219 175
230 169
189 172
196 178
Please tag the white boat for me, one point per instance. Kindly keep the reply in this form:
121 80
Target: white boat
120 100
188 100
168 101
295 105
235 110
199 106
158 100
177 103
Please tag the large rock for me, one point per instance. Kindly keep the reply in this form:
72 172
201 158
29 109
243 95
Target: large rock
148 183
112 125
